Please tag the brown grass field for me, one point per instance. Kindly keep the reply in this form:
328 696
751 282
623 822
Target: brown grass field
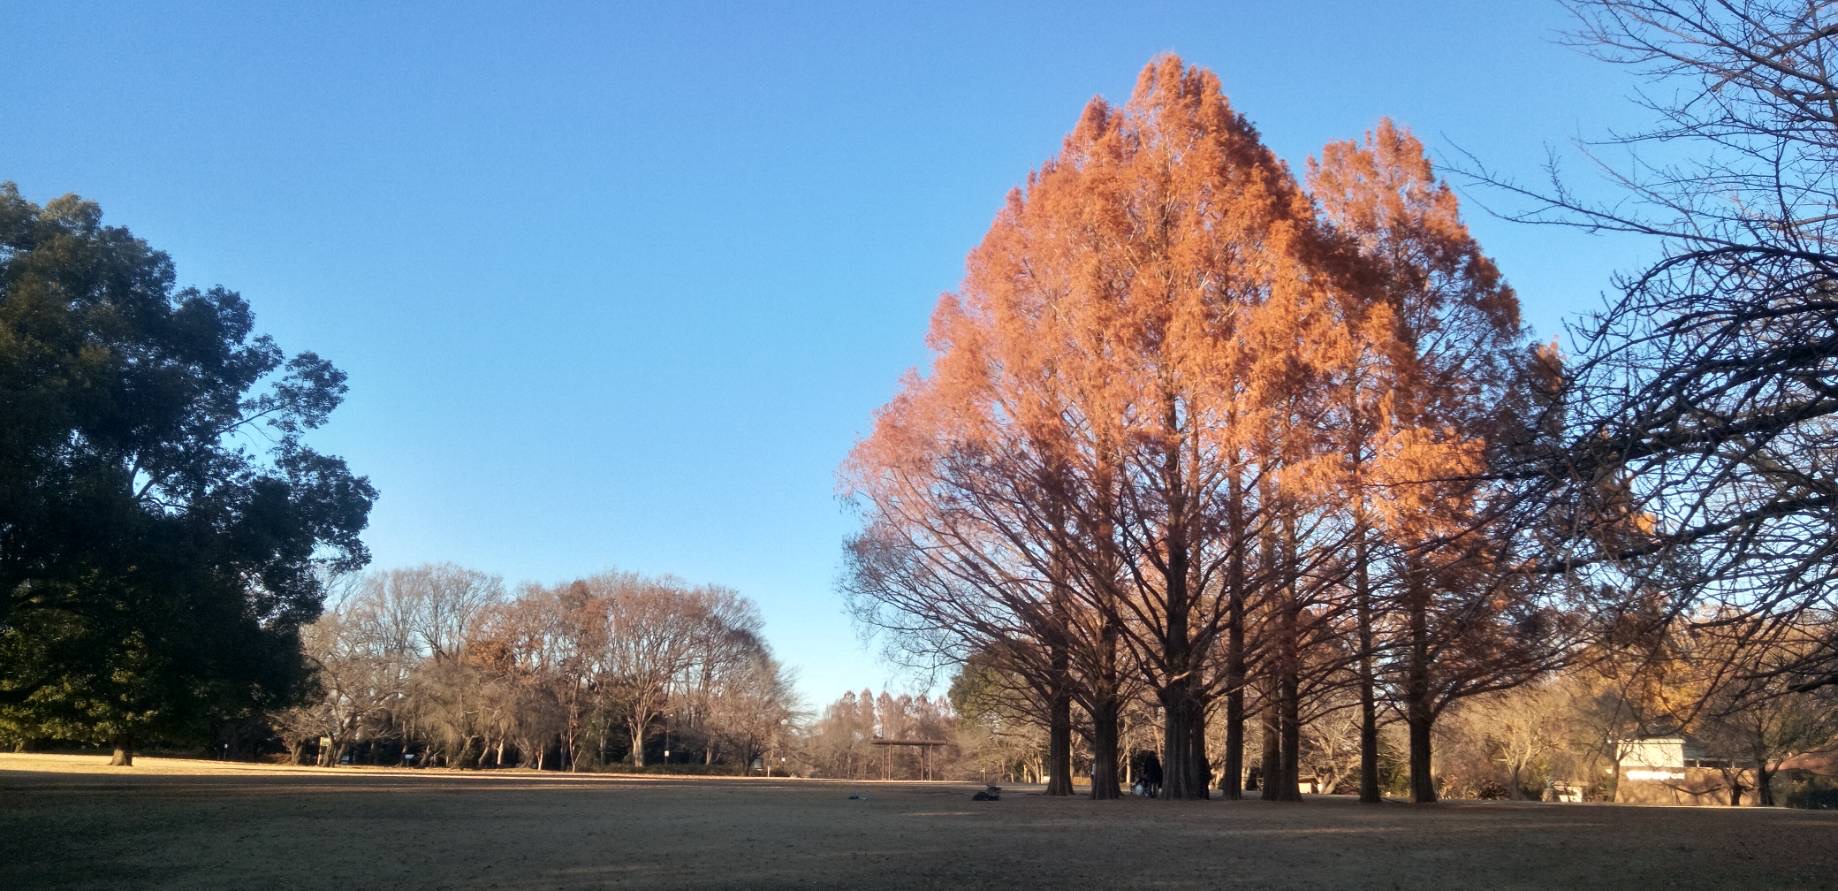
70 822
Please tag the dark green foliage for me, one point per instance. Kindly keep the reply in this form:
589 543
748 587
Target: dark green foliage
164 528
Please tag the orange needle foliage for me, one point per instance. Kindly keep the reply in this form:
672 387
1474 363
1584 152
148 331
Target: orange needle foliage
1131 449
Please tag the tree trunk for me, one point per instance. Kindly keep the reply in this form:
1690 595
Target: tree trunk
1291 788
1183 729
1104 751
638 744
1764 783
1059 744
1183 775
1231 779
1418 714
1368 693
1422 785
1197 740
1291 681
1362 605
1271 731
124 751
1059 654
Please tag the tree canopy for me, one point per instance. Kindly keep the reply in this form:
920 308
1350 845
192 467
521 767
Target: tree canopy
165 529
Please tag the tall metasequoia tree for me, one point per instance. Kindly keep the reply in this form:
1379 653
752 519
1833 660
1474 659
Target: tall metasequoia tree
1178 425
1434 350
1081 410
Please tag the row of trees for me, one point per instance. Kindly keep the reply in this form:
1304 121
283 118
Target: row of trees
440 663
1569 733
1201 432
1197 430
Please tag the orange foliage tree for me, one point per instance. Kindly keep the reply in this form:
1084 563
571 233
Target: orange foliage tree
1183 418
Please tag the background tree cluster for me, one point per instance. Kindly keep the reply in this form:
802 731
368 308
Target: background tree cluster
439 663
840 742
1577 728
1201 432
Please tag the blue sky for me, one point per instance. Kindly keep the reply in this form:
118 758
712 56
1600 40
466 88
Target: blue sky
619 285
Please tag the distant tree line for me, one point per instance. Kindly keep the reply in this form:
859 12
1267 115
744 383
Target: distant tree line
841 741
437 665
169 539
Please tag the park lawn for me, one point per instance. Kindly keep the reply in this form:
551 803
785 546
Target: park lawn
70 822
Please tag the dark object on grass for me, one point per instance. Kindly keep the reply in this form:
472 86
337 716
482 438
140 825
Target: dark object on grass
1148 770
858 798
993 793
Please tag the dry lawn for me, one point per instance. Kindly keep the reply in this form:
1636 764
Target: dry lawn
68 822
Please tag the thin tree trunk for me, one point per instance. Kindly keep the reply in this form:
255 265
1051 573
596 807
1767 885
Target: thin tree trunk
1764 783
1196 739
1270 726
1362 605
1368 693
1289 789
1059 705
1231 780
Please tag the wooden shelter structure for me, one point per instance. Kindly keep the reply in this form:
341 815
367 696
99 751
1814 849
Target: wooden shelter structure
925 747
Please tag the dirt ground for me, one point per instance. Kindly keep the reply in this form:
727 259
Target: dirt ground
70 822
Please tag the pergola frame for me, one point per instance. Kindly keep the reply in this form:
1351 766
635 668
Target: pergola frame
925 747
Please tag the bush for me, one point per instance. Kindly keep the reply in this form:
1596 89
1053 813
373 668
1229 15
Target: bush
1808 791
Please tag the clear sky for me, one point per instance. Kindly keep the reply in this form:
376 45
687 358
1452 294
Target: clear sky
619 285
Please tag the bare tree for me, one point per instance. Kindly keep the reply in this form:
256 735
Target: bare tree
1704 392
